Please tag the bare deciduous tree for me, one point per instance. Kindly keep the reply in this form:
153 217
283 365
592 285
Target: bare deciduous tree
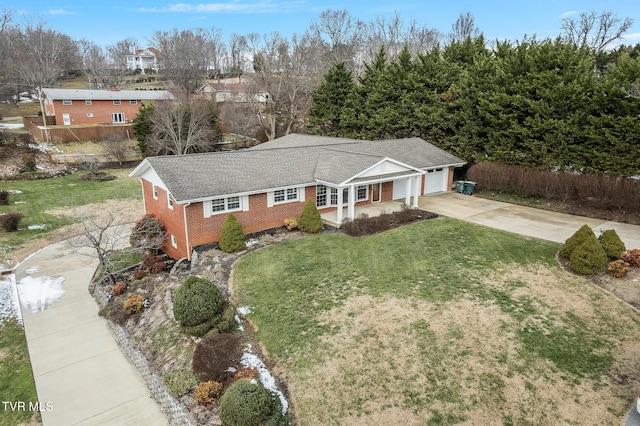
185 59
464 27
594 31
183 127
103 236
340 34
116 147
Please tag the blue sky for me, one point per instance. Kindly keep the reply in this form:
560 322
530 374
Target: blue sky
106 22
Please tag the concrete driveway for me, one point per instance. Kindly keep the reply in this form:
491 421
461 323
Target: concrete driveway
522 220
82 377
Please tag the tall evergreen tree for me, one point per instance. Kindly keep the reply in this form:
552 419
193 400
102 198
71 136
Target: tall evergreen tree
328 100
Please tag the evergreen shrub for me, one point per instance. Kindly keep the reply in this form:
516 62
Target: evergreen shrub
574 241
232 238
248 403
612 244
589 258
197 300
310 220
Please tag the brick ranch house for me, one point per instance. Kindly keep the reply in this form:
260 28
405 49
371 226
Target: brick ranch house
90 107
263 185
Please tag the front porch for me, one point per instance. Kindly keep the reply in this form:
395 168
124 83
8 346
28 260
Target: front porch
373 209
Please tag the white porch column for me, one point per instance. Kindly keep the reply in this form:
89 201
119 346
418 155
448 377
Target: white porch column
351 205
416 190
407 195
339 211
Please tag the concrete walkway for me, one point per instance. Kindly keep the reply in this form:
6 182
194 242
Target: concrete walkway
522 220
79 370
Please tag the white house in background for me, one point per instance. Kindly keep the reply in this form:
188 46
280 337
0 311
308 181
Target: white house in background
144 59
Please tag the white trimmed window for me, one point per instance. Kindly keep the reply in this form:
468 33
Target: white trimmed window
169 201
228 204
174 241
116 102
87 101
90 114
361 192
321 195
285 195
133 102
154 189
66 102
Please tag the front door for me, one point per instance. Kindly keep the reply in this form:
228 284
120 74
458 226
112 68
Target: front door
376 191
66 120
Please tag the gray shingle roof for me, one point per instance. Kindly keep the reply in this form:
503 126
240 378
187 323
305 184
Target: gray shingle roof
108 95
288 161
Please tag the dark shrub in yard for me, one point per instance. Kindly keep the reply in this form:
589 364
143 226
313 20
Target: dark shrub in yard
214 357
310 220
10 221
612 244
248 403
4 197
365 225
231 237
589 258
197 301
574 241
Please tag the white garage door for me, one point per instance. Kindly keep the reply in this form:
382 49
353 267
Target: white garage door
436 180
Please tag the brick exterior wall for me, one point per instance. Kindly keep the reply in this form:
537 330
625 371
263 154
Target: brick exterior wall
205 230
101 111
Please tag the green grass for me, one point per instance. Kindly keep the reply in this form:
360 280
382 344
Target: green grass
15 370
291 287
42 195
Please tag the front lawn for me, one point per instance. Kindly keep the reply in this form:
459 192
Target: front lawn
38 199
439 322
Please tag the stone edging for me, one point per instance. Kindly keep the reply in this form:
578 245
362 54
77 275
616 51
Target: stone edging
175 412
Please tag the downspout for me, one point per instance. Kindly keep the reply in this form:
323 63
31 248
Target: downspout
186 230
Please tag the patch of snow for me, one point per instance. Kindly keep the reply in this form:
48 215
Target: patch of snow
252 242
244 310
31 270
250 360
11 126
14 191
44 148
38 226
39 293
9 306
239 321
19 202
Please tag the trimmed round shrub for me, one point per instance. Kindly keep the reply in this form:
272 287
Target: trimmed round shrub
310 220
612 244
214 355
248 403
576 240
589 258
231 238
197 300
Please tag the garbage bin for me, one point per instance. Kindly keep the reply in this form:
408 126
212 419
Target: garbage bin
460 186
469 187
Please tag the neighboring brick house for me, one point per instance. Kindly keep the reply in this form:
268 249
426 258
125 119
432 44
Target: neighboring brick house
144 59
88 107
193 194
